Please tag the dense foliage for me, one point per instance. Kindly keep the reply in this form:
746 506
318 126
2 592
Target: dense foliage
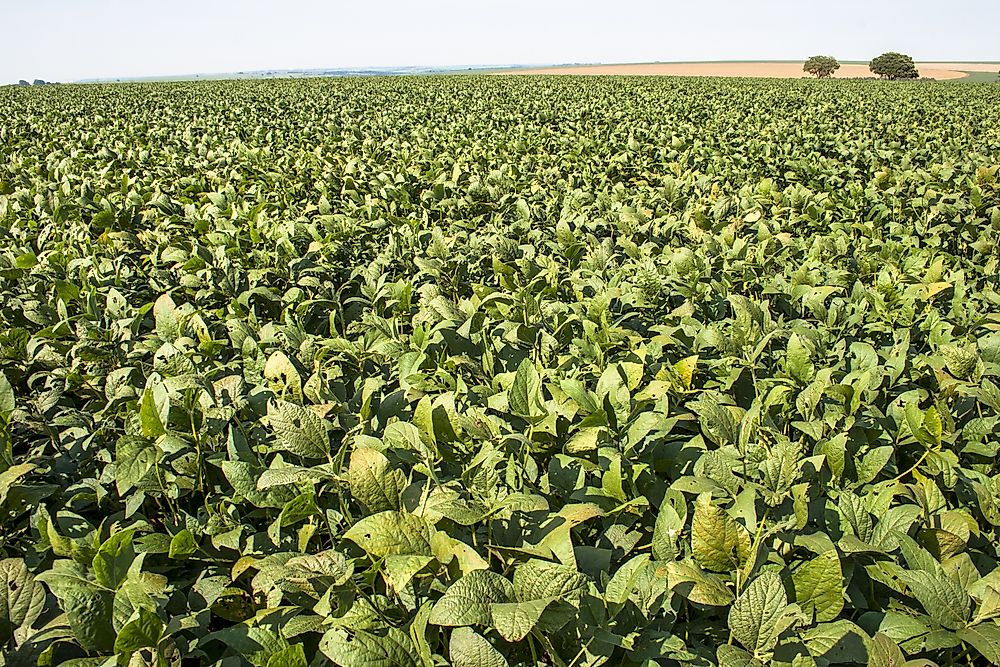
822 67
894 66
500 371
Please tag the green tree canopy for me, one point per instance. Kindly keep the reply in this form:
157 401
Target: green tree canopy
822 67
894 66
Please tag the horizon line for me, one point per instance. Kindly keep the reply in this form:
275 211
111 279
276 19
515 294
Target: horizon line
430 69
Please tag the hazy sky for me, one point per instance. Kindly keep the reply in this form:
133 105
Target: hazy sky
67 40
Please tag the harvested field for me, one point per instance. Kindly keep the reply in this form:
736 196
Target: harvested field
780 70
964 67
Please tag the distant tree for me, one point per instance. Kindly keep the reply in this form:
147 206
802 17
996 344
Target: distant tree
822 67
894 66
38 82
22 82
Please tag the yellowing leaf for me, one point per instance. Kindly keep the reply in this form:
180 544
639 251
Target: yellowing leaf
720 544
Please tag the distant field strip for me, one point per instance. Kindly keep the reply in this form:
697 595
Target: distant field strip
780 70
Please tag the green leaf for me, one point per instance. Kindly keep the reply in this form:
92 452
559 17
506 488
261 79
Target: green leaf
89 608
819 586
165 316
7 402
298 430
734 656
154 409
716 420
838 642
393 533
699 586
468 600
468 648
406 436
623 582
113 559
144 631
942 598
760 614
10 478
22 599
329 563
399 570
666 532
926 427
525 394
932 425
798 359
297 509
985 638
374 482
290 656
873 463
26 261
282 376
135 459
364 649
884 652
182 545
514 620
719 543
539 579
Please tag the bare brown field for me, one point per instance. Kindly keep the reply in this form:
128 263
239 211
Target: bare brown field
940 71
965 67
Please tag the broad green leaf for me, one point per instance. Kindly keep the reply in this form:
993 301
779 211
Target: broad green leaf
135 460
760 614
393 533
182 545
165 313
468 600
282 376
329 563
22 599
621 585
719 543
666 532
539 579
365 649
144 631
467 648
399 570
798 359
525 393
7 402
297 509
298 430
89 608
838 642
374 482
926 427
154 409
734 656
113 559
406 436
942 598
717 421
884 652
699 586
10 477
819 586
985 638
514 620
290 656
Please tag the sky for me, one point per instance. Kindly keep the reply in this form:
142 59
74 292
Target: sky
69 40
